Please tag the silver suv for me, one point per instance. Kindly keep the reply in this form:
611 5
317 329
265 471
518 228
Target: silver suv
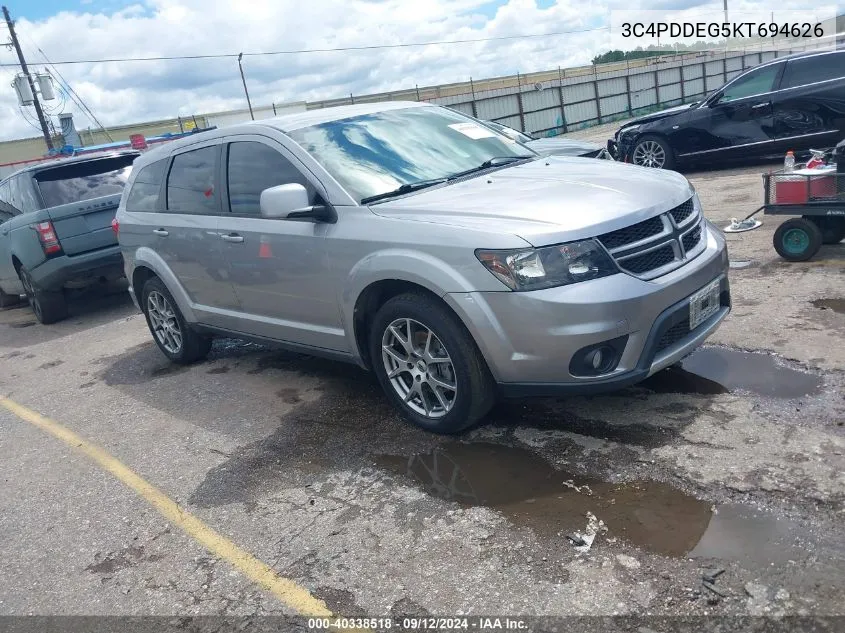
418 243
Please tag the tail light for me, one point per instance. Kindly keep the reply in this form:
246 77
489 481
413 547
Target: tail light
47 237
115 226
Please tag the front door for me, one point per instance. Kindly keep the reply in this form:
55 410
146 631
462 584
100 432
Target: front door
186 233
738 122
278 267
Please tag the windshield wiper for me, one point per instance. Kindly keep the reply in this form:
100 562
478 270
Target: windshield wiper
496 161
403 189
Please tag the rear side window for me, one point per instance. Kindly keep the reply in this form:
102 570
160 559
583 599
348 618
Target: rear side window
190 186
800 72
80 181
144 193
7 209
254 167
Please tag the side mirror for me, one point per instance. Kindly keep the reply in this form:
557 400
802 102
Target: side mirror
278 202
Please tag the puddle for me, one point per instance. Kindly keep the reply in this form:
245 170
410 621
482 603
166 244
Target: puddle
652 515
837 305
532 493
713 370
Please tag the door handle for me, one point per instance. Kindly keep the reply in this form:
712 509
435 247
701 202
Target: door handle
760 105
161 232
232 237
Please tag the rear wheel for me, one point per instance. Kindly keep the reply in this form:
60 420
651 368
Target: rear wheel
653 151
49 306
797 239
428 364
832 228
171 333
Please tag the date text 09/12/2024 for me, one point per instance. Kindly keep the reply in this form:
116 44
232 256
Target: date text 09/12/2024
721 29
420 624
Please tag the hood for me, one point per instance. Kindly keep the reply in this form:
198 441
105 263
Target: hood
547 201
559 146
655 116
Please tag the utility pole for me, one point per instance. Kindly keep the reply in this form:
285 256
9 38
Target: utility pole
246 92
38 111
726 10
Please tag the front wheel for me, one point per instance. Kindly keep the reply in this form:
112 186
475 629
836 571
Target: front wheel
832 227
428 364
653 151
49 306
172 334
797 239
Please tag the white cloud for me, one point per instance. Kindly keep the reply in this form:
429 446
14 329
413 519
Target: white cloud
137 91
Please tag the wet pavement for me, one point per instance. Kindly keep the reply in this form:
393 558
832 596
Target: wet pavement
727 466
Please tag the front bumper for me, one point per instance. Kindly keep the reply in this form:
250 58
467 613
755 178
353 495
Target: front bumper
529 338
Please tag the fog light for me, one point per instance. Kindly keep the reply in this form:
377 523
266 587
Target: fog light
599 358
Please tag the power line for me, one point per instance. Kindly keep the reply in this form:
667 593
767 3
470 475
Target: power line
71 92
320 50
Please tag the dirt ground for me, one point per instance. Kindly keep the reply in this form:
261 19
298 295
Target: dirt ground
732 461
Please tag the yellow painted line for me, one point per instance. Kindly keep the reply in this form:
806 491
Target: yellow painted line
287 591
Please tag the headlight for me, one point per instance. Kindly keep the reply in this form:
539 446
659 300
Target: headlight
628 130
536 268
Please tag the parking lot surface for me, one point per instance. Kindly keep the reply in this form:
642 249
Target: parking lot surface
733 461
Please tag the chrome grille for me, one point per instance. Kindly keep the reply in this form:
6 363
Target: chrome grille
658 245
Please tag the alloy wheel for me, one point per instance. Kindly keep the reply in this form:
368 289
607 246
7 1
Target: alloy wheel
419 368
29 290
649 154
163 322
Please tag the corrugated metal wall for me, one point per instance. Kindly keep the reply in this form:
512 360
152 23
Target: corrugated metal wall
558 104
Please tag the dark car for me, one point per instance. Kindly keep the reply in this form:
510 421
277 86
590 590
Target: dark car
791 103
56 229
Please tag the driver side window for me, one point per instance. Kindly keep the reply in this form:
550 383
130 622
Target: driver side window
756 82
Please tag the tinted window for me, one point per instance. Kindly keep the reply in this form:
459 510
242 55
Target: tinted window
6 208
254 167
144 193
190 186
85 180
800 72
754 83
377 153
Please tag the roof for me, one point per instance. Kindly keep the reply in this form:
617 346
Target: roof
801 55
61 162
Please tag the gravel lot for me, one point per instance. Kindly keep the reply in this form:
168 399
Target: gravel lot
732 461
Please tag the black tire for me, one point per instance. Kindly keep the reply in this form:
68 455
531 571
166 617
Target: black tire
474 392
797 239
832 227
643 142
8 301
49 306
192 345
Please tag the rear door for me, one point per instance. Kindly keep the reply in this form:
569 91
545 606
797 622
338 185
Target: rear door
82 198
185 235
809 108
739 121
279 267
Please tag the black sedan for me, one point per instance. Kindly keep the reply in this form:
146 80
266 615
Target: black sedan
790 103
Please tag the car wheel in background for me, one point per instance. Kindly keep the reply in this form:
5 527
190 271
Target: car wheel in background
797 239
653 151
49 306
428 364
171 333
832 228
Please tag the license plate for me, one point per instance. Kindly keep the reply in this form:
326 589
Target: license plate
704 304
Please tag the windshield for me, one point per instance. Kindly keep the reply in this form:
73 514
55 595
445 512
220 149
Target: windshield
376 153
86 180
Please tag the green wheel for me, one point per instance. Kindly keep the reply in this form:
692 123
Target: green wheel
797 239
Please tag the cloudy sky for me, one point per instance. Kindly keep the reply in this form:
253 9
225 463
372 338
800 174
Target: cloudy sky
125 92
